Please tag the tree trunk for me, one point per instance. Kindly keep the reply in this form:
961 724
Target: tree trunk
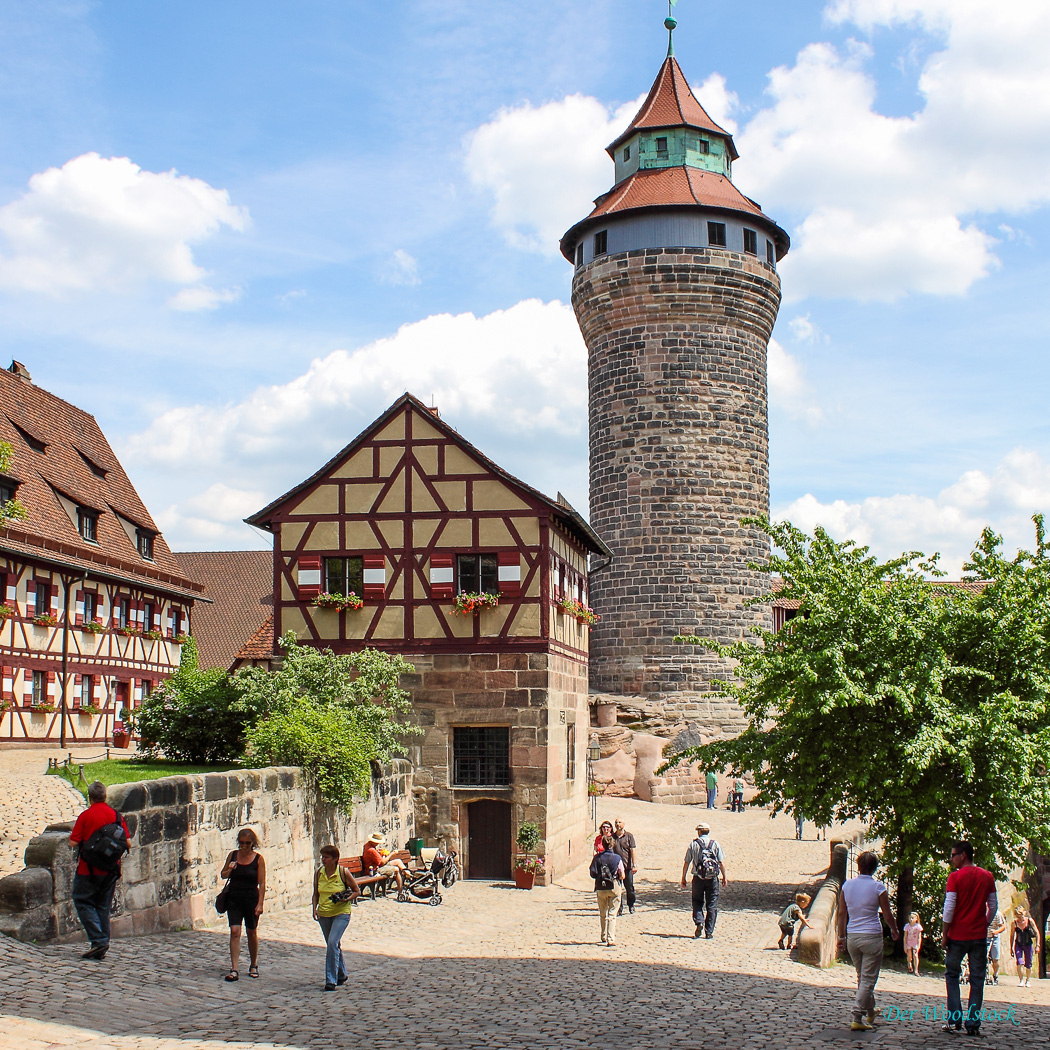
905 892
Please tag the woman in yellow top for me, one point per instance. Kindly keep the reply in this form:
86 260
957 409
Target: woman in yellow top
333 915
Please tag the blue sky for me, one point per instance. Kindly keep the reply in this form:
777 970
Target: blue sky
236 232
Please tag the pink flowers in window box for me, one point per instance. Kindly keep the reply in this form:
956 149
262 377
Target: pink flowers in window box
469 604
326 600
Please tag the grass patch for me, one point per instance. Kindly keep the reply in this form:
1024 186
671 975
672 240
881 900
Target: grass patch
129 770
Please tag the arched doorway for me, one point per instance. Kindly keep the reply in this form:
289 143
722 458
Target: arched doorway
488 839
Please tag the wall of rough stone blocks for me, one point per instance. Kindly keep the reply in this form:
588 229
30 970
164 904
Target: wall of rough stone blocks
528 692
182 830
677 342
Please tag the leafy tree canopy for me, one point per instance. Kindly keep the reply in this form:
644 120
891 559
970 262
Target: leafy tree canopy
918 707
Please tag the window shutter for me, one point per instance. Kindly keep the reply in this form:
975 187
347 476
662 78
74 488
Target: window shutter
7 683
78 691
3 587
442 576
116 611
374 566
31 599
96 685
50 683
54 600
27 680
509 574
308 576
78 615
171 623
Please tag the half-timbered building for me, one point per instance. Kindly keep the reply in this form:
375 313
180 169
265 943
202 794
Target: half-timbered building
93 607
412 541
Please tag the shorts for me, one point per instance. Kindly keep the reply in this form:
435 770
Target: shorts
993 948
388 869
1023 955
240 911
787 929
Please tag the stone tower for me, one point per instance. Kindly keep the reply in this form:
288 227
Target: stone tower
676 292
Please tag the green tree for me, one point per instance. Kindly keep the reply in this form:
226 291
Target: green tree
12 509
197 716
920 708
330 714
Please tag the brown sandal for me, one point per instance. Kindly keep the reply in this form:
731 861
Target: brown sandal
233 975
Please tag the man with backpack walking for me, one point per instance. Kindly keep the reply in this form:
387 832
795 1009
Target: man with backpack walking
103 838
607 871
707 860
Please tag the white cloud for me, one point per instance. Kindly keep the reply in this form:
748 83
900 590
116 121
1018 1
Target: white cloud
213 518
950 522
544 165
104 223
803 330
400 269
513 382
788 389
202 297
883 206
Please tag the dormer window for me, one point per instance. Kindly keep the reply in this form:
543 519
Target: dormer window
144 542
8 489
661 147
99 472
750 242
601 242
35 443
87 524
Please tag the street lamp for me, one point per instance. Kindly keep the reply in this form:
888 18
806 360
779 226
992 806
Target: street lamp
594 753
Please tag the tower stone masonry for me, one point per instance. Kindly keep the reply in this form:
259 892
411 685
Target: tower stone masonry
676 293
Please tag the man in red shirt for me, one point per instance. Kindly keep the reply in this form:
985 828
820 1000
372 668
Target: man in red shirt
93 887
375 855
970 903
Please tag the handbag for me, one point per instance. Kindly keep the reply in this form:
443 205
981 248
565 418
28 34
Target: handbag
220 900
342 895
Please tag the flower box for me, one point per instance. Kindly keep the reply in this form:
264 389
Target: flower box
326 600
46 620
129 632
41 709
468 604
93 626
154 636
88 709
5 612
181 639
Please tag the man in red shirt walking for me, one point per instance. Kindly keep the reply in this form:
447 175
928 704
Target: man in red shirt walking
93 887
970 903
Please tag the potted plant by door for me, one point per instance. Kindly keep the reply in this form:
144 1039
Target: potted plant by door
121 735
528 864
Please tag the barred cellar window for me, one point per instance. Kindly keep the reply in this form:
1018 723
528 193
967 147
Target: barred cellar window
480 756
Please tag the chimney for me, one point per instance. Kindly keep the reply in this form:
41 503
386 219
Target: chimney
20 370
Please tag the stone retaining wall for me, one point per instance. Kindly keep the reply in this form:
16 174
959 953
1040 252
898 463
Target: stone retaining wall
182 830
818 945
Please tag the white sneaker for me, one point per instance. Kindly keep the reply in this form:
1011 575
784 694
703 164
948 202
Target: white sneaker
1020 982
1027 983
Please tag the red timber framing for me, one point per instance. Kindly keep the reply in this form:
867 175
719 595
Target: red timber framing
105 669
410 497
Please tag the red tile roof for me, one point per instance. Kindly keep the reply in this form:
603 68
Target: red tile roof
671 103
260 645
76 464
976 586
663 187
240 584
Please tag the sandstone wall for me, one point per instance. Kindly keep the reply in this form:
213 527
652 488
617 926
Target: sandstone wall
182 830
677 343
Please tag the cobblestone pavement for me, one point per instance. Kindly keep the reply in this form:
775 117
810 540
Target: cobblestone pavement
33 800
496 967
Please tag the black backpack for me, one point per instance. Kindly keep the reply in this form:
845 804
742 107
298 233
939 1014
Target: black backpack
106 847
708 860
605 877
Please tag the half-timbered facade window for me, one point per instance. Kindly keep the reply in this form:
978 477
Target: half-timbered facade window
122 612
481 756
344 575
90 606
87 690
477 573
41 595
39 695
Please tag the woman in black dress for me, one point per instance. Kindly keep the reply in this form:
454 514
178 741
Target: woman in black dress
246 871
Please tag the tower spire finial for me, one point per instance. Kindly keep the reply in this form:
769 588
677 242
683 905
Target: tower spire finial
670 21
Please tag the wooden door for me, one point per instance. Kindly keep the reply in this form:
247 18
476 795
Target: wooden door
488 839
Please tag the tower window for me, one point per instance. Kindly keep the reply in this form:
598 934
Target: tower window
716 234
601 242
661 147
771 255
750 242
627 153
87 524
481 756
703 146
579 254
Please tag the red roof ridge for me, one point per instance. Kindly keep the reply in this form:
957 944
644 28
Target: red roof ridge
671 103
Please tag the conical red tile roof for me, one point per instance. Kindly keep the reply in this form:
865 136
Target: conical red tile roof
671 103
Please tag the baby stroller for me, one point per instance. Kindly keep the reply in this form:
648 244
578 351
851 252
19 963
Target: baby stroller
425 884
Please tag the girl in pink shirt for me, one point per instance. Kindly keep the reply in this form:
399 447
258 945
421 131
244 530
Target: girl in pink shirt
913 941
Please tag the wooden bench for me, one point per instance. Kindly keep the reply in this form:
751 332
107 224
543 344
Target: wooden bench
371 884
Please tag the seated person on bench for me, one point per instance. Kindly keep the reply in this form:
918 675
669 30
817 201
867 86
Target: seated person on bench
375 855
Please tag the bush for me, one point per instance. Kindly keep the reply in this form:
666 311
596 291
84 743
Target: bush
334 752
195 716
